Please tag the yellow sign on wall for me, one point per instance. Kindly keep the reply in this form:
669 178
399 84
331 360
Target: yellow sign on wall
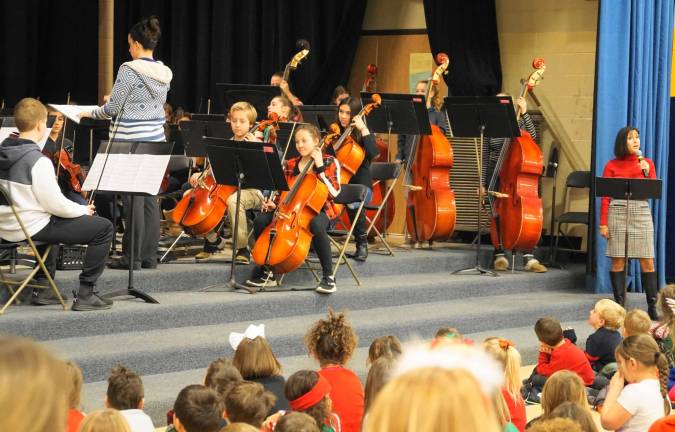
420 68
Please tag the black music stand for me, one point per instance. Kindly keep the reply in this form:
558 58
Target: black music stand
285 141
404 114
193 132
248 165
320 116
480 116
133 166
9 122
628 189
87 135
222 118
257 95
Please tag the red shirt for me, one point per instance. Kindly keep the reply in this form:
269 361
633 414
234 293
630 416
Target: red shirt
516 409
75 417
566 357
627 167
347 396
329 174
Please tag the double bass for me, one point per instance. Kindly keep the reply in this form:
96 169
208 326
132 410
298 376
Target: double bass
431 203
370 86
201 209
517 217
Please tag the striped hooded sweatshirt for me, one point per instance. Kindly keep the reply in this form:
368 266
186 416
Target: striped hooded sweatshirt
139 94
29 178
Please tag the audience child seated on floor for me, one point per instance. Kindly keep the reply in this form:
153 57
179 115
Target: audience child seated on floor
125 393
383 346
635 406
556 425
331 341
107 420
662 330
239 427
248 402
577 413
256 361
309 392
555 354
508 356
74 382
296 422
636 322
379 374
563 386
606 318
197 409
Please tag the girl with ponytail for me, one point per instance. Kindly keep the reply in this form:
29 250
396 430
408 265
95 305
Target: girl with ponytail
506 353
635 406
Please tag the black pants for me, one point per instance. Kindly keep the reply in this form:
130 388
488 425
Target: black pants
94 231
146 230
320 240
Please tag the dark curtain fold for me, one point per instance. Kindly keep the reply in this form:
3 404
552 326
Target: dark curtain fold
467 32
48 49
211 41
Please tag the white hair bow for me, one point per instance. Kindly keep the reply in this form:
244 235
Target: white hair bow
671 304
252 331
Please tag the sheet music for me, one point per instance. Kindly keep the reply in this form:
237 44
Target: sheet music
72 111
5 132
132 173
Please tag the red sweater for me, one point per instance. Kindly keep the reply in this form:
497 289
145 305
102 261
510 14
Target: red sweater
347 396
75 417
516 409
566 357
627 167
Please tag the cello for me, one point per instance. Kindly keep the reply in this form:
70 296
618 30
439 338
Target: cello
370 86
201 209
517 215
284 244
431 202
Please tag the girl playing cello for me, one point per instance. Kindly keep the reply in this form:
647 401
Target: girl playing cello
327 169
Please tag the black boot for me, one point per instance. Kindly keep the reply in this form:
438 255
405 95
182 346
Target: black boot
361 253
88 300
650 283
618 286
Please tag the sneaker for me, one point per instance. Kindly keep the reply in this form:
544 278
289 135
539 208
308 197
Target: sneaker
501 263
535 266
243 256
203 255
326 286
267 278
44 297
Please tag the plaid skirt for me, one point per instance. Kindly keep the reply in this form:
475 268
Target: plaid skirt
640 230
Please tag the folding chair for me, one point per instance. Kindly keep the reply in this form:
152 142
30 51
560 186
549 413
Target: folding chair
349 193
5 199
575 180
381 172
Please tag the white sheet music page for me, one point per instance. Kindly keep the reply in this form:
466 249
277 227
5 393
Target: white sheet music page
5 132
72 112
131 173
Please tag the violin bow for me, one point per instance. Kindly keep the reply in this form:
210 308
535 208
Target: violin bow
63 136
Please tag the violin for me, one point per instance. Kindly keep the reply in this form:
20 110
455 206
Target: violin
73 171
432 210
284 244
517 215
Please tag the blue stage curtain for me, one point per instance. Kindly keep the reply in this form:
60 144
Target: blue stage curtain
633 88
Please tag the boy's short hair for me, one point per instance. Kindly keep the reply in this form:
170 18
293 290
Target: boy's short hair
248 110
636 322
296 422
248 402
28 113
125 389
611 312
448 332
548 330
198 408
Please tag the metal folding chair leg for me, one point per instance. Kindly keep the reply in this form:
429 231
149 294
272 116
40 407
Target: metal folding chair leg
342 258
380 236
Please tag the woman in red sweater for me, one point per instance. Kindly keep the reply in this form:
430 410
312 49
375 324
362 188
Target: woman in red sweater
640 226
332 342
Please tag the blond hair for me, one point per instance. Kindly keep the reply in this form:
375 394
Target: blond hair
247 109
28 113
644 350
32 385
106 420
636 322
611 312
74 381
509 357
501 408
666 313
555 425
563 386
432 399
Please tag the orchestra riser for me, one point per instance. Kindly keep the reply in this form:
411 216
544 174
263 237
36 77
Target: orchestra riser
409 295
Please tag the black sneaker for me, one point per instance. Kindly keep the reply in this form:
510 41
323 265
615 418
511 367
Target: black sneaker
326 286
44 297
243 256
88 300
265 279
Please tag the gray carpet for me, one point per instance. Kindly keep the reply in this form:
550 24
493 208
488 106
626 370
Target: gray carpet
409 295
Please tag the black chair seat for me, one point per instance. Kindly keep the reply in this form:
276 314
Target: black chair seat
351 193
573 218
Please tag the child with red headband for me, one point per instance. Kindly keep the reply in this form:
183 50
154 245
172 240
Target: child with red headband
332 342
309 392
